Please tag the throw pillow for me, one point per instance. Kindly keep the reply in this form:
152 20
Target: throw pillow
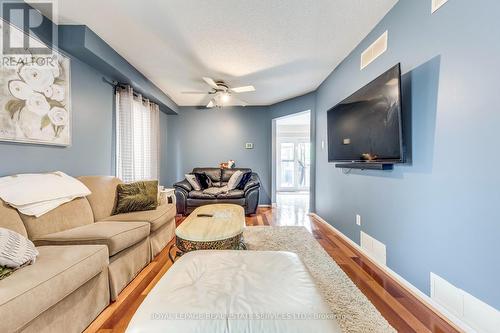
244 180
15 250
204 181
136 197
234 180
5 271
192 180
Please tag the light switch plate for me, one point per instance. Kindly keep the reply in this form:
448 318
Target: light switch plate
249 145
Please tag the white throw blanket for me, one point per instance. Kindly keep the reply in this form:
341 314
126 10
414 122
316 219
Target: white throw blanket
216 190
37 194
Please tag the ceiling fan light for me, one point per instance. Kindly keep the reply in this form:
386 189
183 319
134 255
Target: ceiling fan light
224 98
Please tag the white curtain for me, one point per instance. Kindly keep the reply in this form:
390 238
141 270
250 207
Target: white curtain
137 137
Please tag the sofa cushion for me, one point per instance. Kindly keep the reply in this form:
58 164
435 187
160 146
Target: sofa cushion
233 194
58 271
116 236
191 202
200 195
67 216
103 197
10 219
156 218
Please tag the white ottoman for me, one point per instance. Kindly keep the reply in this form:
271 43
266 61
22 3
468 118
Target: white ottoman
235 291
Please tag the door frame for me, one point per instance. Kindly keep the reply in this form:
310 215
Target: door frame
274 184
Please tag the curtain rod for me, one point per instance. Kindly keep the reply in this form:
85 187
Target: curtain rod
116 84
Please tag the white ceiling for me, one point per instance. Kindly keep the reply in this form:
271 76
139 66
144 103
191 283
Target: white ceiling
285 48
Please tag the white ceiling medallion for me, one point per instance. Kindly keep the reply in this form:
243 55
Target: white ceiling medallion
375 50
436 4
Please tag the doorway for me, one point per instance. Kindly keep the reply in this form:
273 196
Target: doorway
292 161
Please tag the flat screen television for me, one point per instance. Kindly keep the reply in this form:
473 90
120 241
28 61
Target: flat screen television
367 126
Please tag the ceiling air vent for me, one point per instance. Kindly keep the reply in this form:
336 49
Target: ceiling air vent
374 51
436 4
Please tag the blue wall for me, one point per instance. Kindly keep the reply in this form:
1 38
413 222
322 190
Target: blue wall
438 214
206 137
91 152
294 105
199 137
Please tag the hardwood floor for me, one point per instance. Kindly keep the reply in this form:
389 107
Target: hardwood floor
404 311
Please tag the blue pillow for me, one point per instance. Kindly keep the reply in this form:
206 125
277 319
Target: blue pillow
244 180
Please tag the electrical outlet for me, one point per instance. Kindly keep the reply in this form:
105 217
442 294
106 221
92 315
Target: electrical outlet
358 219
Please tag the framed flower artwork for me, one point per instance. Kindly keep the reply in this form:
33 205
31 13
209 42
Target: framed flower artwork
35 104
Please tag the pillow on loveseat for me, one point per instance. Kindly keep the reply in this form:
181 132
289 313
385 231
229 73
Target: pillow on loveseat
138 196
15 251
5 271
193 181
203 180
234 181
244 180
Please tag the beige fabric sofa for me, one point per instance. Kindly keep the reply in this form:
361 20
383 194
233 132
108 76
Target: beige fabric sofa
63 291
103 200
87 256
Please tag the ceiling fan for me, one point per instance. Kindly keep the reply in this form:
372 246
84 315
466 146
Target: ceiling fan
221 93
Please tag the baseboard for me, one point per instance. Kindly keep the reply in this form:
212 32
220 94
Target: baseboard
265 206
430 303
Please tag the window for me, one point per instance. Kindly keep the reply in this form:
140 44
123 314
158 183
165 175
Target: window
137 137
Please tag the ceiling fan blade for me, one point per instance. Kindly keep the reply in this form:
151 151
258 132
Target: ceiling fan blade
238 101
210 104
210 82
194 93
243 89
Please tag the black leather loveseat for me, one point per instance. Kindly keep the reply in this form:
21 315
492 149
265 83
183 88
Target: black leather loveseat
248 196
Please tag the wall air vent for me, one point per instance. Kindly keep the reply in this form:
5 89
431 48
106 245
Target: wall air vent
475 313
374 248
436 4
374 51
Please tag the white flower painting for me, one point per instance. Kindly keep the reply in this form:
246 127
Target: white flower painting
34 101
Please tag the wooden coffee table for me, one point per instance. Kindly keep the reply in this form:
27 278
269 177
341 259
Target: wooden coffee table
212 227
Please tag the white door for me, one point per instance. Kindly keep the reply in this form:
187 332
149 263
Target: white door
294 164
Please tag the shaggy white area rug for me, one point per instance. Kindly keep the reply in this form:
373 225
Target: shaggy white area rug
354 312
